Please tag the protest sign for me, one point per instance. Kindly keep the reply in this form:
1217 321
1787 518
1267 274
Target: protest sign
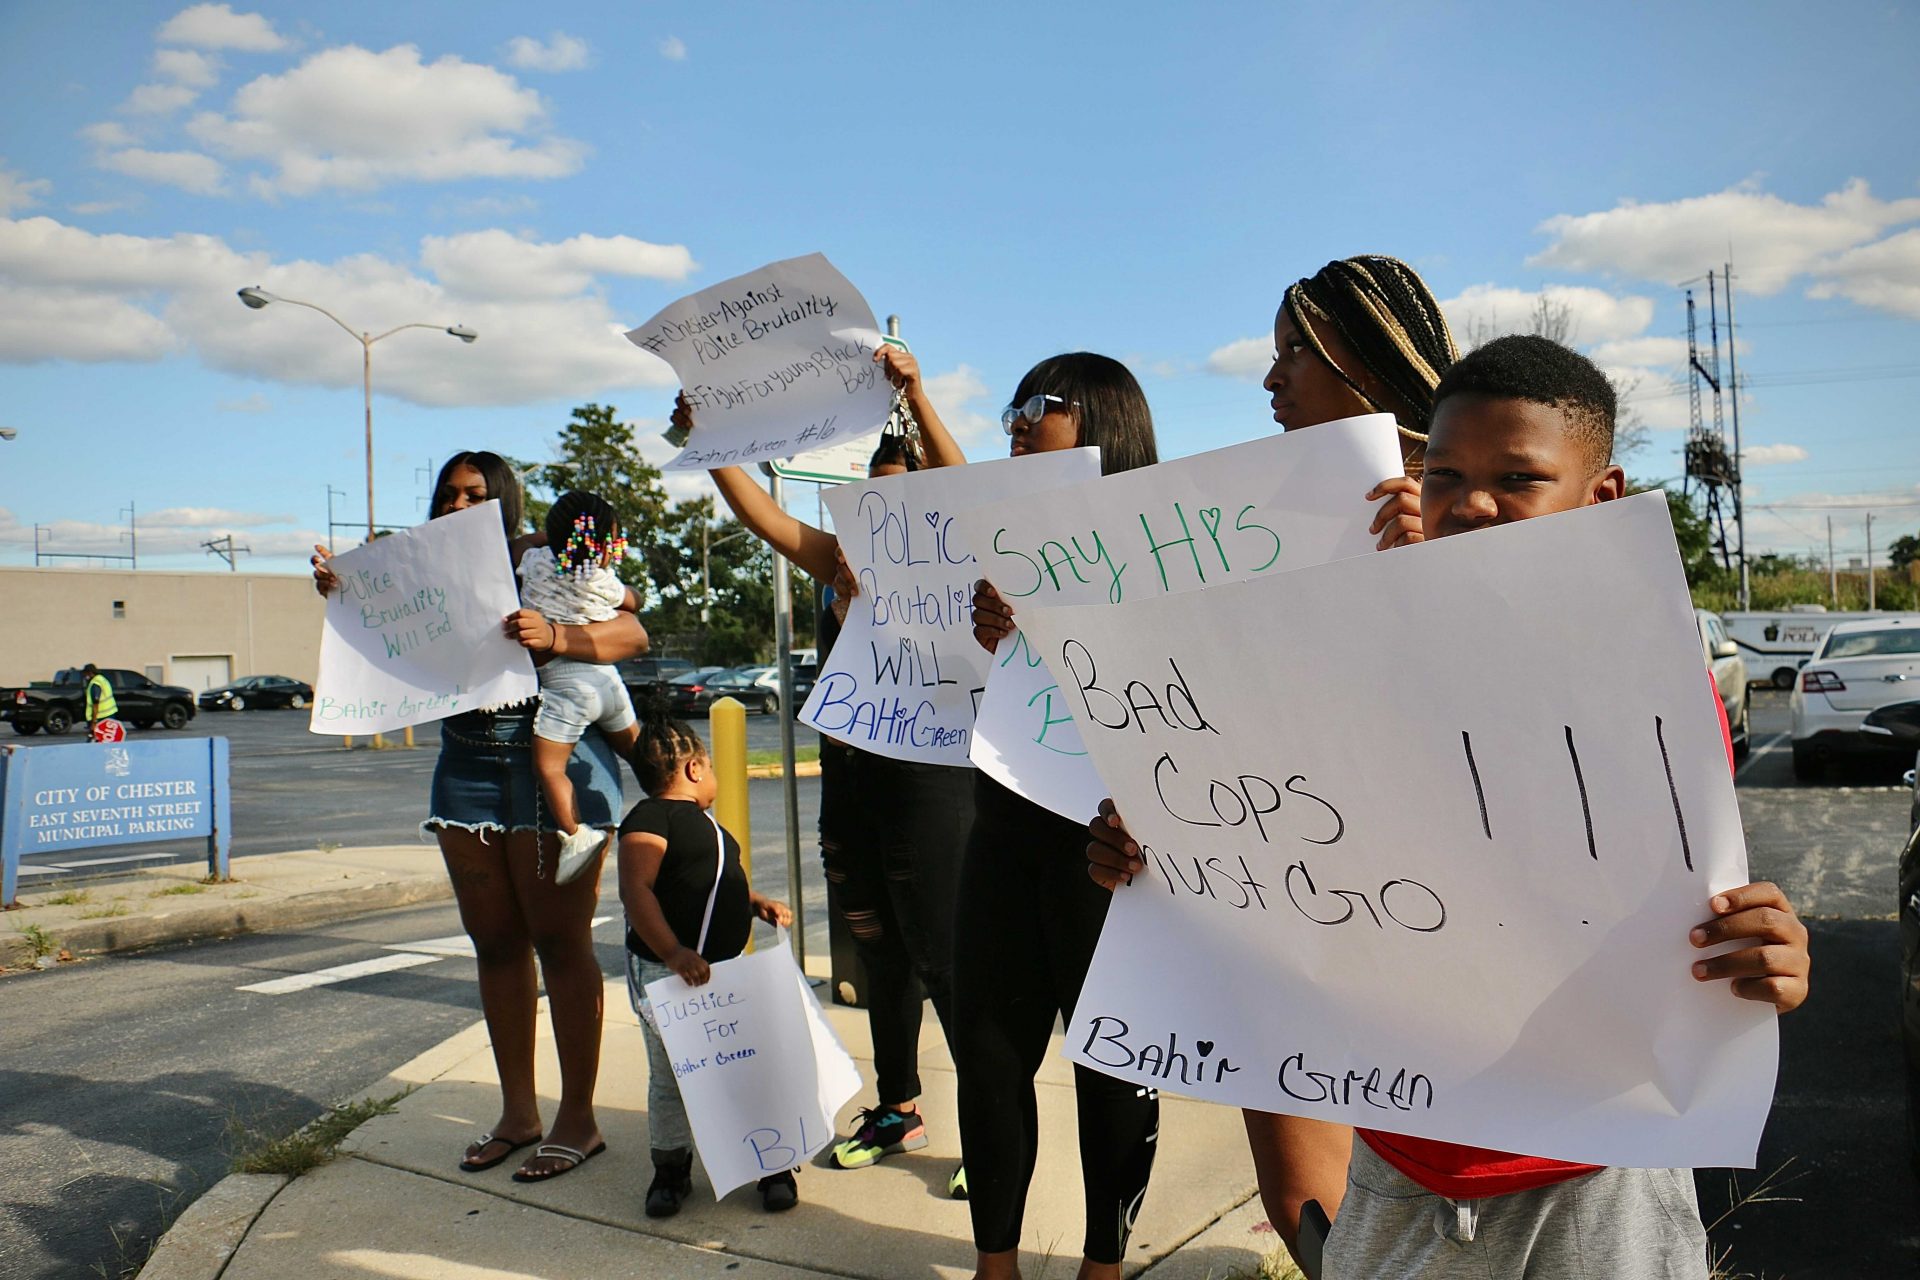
1405 868
761 1073
413 633
905 676
1264 507
774 363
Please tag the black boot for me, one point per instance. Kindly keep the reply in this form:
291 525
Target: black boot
672 1182
779 1192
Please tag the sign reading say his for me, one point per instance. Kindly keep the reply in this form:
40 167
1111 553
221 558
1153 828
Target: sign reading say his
1405 867
414 631
906 674
760 1072
776 362
1263 507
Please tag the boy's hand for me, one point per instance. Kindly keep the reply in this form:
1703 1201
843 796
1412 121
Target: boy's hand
530 629
773 911
992 616
902 370
1398 519
692 969
324 580
1774 971
1113 858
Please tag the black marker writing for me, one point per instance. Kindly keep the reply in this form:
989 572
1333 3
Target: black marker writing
1580 781
1466 740
1679 818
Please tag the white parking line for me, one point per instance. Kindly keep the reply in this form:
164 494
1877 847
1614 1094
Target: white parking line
1770 745
339 973
458 944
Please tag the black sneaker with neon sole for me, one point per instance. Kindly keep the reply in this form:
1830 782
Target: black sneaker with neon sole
883 1131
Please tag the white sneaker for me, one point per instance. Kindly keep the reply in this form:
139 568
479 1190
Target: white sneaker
577 853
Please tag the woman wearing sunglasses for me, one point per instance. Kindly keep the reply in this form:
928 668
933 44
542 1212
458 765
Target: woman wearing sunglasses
891 831
1364 335
1029 917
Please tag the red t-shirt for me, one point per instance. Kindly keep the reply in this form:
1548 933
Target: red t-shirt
1474 1173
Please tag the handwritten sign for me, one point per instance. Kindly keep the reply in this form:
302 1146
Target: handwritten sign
1264 507
413 634
1405 868
760 1072
776 362
906 674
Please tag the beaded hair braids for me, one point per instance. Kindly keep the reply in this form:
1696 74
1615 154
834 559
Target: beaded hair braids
583 533
1389 318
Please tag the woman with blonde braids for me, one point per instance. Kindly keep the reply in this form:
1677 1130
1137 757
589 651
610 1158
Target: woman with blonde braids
1364 335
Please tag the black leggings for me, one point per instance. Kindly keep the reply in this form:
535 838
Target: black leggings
1028 920
892 850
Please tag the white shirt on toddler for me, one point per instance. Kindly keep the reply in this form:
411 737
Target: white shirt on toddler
562 597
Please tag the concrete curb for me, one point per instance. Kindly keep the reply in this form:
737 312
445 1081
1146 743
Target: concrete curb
202 1240
801 769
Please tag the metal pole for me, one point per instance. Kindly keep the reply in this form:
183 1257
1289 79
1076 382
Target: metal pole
1833 576
1739 474
366 391
783 656
1872 600
706 573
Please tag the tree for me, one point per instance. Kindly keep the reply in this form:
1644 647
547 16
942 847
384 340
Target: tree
1904 551
1553 320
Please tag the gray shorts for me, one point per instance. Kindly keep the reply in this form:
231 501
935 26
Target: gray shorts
576 695
1617 1224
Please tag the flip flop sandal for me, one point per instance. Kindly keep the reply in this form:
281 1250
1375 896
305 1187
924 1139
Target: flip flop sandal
554 1149
469 1165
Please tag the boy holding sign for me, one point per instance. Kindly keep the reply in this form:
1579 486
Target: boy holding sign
688 906
1521 428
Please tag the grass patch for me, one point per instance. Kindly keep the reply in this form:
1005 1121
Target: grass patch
801 755
71 898
39 940
326 846
103 913
1277 1265
192 886
311 1146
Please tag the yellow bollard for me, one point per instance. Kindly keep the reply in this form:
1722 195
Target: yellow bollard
731 808
409 737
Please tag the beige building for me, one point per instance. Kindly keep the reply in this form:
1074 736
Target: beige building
194 629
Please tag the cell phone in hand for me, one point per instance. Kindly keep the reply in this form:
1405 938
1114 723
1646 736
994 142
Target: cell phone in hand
1314 1226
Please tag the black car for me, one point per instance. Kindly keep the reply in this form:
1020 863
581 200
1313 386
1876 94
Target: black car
57 705
257 691
644 675
1909 908
696 694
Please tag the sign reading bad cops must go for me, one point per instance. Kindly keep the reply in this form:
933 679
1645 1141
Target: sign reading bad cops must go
1402 870
776 362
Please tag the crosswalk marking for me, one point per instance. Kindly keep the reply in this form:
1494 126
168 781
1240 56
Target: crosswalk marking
458 944
339 973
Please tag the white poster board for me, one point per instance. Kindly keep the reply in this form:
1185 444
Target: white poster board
414 634
1409 867
906 674
775 362
760 1071
1264 507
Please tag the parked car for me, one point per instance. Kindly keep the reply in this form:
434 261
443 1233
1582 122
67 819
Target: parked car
1860 668
1729 678
1776 644
257 692
1908 905
769 678
643 675
58 704
695 695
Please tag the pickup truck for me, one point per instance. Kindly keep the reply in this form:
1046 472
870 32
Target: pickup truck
57 705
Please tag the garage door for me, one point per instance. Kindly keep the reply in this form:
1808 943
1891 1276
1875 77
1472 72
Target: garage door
201 672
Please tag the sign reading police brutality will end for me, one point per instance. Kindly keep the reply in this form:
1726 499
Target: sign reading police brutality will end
906 674
775 363
1263 507
760 1071
1402 870
414 631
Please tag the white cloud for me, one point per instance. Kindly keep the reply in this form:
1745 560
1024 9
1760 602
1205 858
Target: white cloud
955 394
1248 358
93 208
255 403
188 170
108 133
673 49
498 264
200 517
561 52
1771 240
158 99
1884 275
69 294
1660 353
17 192
187 67
85 537
1767 455
217 26
1486 311
349 118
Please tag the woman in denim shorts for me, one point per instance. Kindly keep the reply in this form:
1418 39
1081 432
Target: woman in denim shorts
500 844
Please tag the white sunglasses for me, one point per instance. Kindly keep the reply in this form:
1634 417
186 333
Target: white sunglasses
1033 409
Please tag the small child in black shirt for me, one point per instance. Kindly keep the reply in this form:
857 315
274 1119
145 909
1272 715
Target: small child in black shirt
688 904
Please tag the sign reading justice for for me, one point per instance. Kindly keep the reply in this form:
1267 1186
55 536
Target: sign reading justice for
1406 866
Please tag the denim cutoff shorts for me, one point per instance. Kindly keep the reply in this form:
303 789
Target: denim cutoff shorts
484 780
577 696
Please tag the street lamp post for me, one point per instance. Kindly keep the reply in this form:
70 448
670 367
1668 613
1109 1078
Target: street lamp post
256 298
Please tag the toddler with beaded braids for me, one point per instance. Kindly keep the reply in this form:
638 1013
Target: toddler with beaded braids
572 580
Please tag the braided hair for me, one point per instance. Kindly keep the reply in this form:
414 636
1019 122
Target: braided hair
583 532
896 450
1389 319
664 743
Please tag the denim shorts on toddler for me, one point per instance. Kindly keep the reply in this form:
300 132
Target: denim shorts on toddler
575 696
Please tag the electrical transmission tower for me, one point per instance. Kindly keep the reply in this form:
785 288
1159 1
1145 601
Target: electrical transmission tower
1712 471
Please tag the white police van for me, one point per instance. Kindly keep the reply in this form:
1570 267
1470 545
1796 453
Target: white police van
1776 645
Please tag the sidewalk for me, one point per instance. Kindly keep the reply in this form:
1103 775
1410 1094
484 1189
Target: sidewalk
393 1204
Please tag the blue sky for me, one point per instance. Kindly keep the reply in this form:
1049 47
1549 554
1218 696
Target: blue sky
1013 180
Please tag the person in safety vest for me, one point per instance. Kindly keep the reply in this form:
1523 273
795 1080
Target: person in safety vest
98 697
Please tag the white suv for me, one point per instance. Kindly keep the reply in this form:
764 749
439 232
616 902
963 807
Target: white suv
1859 667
